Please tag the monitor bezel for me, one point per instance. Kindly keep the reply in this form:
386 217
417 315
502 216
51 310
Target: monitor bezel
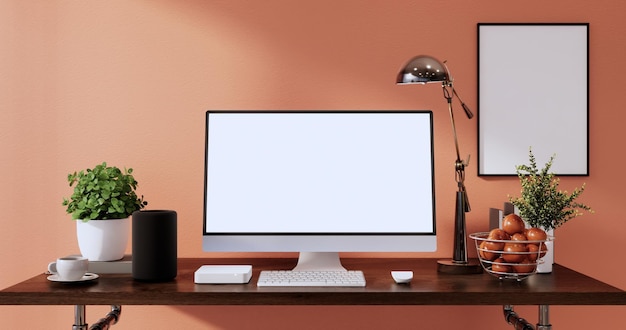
310 242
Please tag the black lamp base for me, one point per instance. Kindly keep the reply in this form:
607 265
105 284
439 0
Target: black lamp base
450 267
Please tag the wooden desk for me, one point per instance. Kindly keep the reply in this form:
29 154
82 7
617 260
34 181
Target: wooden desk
563 287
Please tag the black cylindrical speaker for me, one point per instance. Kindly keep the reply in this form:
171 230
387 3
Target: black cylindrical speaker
154 245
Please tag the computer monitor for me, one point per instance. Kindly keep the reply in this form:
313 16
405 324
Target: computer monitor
319 183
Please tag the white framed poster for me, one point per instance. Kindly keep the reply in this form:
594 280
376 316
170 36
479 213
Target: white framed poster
533 92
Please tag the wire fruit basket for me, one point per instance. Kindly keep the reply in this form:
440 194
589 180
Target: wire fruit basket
509 259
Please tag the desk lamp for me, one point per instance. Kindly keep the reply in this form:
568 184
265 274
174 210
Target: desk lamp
423 69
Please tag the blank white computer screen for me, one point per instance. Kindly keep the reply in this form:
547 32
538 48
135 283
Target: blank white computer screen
321 172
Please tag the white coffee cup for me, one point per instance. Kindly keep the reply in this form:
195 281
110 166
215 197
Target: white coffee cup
71 268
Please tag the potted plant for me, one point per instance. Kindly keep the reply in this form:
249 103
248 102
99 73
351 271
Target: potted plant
542 204
103 200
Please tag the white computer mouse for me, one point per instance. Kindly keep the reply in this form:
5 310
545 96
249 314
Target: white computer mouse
402 276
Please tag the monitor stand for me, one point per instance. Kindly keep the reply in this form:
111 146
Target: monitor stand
319 261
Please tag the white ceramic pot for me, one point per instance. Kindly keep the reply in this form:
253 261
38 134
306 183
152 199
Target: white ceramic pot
103 240
548 259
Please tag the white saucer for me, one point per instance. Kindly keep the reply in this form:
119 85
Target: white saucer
85 278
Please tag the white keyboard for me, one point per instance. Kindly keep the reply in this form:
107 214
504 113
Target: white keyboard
348 278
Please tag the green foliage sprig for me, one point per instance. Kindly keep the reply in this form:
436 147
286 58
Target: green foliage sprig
104 192
541 203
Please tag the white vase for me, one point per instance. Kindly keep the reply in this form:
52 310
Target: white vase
548 259
103 240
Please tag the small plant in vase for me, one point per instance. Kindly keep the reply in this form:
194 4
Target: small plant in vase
104 198
101 193
541 203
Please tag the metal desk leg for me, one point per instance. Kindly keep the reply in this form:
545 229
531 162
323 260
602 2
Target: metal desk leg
110 319
79 318
520 324
512 318
104 323
544 318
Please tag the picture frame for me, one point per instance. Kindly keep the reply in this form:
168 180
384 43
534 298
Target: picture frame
533 92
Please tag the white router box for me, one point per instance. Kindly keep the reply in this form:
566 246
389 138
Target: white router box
223 274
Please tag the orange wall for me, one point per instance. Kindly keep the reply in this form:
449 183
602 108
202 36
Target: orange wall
128 82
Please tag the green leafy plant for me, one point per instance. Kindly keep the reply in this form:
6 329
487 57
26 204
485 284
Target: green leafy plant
104 192
541 203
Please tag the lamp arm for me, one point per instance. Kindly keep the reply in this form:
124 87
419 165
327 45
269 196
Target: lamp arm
459 165
448 97
467 110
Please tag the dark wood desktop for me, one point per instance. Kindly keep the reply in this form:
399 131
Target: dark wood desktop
562 287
